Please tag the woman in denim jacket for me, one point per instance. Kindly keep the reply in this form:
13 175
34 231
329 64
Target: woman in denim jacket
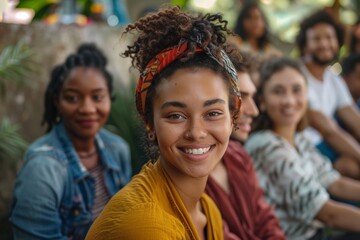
70 173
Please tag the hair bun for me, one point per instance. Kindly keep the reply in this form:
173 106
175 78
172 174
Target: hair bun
91 51
200 31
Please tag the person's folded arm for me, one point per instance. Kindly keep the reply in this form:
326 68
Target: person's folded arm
336 137
339 215
350 115
346 189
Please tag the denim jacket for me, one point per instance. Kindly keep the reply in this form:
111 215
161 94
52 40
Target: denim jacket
54 193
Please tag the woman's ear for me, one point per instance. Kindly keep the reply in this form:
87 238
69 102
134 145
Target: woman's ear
262 106
150 133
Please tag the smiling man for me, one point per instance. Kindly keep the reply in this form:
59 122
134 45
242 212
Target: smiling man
233 184
319 40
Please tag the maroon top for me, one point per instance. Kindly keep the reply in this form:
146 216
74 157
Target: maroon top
244 211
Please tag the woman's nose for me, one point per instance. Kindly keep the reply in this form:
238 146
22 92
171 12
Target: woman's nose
289 99
87 106
196 129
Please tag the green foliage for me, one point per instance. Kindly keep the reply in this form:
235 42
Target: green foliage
14 64
85 6
35 5
42 8
124 121
180 3
12 145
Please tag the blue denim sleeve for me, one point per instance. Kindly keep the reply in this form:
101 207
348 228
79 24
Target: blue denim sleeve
126 162
37 196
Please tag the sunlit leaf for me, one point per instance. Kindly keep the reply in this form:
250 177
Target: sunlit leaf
12 145
15 63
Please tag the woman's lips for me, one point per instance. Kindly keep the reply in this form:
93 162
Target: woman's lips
87 123
197 153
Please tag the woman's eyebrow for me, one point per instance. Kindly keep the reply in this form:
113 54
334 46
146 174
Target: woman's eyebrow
213 101
173 104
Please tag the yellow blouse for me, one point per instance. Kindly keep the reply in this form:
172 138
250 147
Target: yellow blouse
149 207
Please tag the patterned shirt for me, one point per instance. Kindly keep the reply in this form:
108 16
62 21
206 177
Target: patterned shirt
102 195
294 180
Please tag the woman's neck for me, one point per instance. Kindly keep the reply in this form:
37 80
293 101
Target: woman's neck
253 42
190 189
83 145
287 133
190 193
86 151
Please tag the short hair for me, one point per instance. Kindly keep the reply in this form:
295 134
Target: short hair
321 16
349 63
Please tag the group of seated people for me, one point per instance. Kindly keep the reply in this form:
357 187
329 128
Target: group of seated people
230 157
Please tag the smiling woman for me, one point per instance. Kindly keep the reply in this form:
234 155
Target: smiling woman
188 98
192 131
297 180
70 173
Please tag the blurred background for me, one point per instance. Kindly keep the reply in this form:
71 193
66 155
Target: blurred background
35 35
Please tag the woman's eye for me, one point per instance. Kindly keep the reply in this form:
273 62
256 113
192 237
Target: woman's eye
71 99
297 90
214 114
175 116
98 98
278 91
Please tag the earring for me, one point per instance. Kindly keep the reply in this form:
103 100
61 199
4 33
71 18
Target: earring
57 119
262 107
151 135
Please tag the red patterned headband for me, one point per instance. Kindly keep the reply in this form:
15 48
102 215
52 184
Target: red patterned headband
169 55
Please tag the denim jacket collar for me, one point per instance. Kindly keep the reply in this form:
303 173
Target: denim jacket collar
78 170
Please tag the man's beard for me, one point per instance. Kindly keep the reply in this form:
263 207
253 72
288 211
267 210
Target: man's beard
321 62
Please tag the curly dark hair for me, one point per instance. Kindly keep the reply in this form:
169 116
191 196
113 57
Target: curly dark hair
349 63
87 55
321 16
243 15
353 38
166 28
268 69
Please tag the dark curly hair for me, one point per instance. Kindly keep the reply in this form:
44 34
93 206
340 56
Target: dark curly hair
321 16
87 55
268 69
243 15
353 38
349 63
166 28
